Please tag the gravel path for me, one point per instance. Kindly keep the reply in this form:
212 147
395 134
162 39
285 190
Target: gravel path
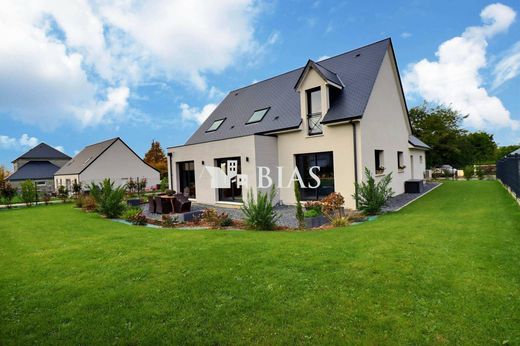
287 213
399 201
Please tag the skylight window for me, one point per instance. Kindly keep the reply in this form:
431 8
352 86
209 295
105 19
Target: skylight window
258 116
216 124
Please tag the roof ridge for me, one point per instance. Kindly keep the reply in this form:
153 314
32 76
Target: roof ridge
106 140
293 70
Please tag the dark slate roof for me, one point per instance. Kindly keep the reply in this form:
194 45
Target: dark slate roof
416 142
85 157
357 70
43 151
35 170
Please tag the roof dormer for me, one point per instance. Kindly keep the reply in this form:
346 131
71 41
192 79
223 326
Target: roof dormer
314 84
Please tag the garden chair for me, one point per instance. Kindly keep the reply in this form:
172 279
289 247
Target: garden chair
181 203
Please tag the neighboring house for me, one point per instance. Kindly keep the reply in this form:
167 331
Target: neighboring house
38 164
108 159
342 114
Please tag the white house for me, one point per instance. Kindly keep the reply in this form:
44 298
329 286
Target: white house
342 114
108 159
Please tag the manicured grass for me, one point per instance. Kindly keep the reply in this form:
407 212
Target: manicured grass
444 270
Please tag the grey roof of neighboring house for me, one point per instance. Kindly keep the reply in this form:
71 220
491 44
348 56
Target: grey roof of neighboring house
357 71
85 157
43 151
416 142
34 170
516 152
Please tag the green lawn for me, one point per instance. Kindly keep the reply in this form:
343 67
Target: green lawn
444 270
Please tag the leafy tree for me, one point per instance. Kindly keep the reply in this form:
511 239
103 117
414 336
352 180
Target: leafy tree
156 158
477 148
3 176
28 192
76 187
7 192
439 127
109 199
503 151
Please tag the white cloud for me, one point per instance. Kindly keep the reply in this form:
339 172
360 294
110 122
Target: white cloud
79 61
216 93
455 79
508 67
196 114
323 57
60 148
24 142
406 35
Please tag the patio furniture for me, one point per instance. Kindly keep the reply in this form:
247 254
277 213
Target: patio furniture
181 203
164 204
151 204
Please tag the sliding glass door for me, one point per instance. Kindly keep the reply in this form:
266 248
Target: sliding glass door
187 178
233 193
326 174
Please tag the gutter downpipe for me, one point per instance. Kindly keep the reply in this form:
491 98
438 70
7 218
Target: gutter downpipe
170 172
354 136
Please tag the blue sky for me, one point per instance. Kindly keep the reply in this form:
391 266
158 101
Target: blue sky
76 72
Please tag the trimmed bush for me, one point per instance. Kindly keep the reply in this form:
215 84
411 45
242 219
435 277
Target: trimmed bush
109 199
311 213
63 193
215 219
89 203
169 221
260 213
371 196
135 216
468 172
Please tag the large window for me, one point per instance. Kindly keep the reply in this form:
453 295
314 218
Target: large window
326 174
314 111
187 178
233 193
258 116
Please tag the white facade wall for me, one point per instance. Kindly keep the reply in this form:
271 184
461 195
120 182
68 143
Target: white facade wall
418 163
253 151
119 164
385 126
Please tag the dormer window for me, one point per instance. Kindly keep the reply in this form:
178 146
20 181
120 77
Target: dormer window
216 124
314 112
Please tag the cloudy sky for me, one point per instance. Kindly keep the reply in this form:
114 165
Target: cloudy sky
74 72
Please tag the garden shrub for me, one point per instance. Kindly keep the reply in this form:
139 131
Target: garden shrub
169 221
164 184
468 172
311 213
28 192
63 193
8 192
109 199
339 221
215 219
479 172
371 196
46 198
227 222
300 217
79 201
260 213
135 216
76 188
89 203
314 205
332 205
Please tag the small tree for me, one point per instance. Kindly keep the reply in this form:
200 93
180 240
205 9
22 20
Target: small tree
28 192
300 216
480 173
372 196
7 192
131 185
140 185
76 187
164 184
156 158
63 193
3 176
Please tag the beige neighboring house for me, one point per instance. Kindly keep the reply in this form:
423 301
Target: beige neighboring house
341 114
39 165
108 159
